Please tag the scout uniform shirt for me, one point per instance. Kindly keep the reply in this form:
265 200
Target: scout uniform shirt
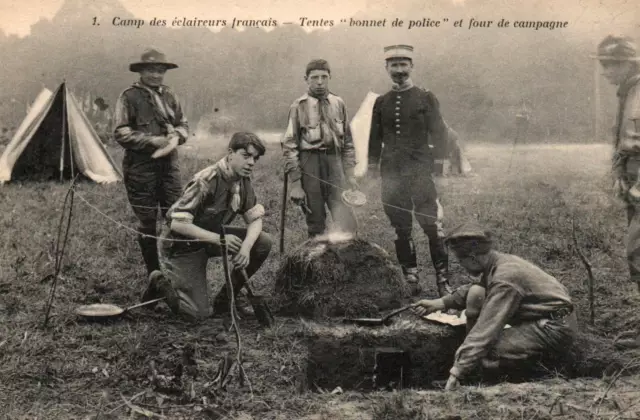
626 133
213 198
142 112
409 124
517 291
306 131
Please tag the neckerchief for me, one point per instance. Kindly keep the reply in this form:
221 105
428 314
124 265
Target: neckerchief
159 104
622 93
408 84
229 176
329 131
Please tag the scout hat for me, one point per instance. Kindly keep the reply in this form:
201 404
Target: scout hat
617 48
398 51
151 56
469 238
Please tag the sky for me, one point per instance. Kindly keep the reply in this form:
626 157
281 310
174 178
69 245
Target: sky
584 15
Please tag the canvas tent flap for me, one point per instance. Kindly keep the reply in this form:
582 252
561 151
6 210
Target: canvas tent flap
56 124
39 109
360 129
91 157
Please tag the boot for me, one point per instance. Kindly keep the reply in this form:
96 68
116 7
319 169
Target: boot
221 303
160 286
442 283
406 253
149 248
440 260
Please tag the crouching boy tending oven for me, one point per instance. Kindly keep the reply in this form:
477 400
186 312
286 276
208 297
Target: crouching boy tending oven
511 291
213 198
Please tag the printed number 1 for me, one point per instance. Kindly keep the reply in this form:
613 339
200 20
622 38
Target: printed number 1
95 20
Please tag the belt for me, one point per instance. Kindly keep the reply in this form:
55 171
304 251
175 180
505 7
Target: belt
560 313
324 151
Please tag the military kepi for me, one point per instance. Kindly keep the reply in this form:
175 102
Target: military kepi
151 56
398 51
617 48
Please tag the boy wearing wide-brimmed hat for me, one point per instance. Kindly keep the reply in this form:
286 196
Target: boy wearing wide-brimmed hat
619 58
149 123
511 290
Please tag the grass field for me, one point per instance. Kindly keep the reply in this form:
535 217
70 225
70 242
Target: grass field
149 364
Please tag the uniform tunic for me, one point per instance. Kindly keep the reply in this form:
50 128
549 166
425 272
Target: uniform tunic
409 124
207 203
149 181
522 295
320 159
626 165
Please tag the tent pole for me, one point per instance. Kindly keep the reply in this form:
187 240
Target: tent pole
62 139
596 75
64 129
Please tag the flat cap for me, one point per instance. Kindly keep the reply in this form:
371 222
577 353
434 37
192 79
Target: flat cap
398 51
617 48
469 238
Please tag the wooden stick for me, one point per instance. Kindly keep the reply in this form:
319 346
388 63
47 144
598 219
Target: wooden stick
587 265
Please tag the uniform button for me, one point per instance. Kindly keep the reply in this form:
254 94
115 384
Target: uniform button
397 119
397 132
397 109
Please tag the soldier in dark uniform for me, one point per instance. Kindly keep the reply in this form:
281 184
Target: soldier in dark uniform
408 122
149 124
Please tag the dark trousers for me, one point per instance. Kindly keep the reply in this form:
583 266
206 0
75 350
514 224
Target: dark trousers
323 181
633 222
151 183
187 272
403 196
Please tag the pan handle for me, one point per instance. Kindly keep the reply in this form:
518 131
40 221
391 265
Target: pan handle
149 302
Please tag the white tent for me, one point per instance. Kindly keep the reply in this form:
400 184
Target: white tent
361 126
56 141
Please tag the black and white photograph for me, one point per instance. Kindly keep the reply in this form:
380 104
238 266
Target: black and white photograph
278 209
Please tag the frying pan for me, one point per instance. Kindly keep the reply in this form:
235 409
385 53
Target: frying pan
376 322
107 310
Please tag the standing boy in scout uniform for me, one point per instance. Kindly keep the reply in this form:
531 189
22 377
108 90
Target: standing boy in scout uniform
408 122
149 124
511 291
619 60
319 152
191 234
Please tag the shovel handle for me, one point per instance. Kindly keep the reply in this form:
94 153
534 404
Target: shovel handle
396 312
245 282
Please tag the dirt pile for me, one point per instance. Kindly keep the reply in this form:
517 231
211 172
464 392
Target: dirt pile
336 275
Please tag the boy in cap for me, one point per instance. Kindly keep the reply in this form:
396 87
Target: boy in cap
319 152
191 233
407 120
149 124
619 59
511 291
